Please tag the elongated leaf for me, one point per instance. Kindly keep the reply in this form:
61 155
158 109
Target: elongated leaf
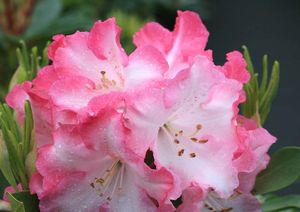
270 93
277 203
282 171
28 126
5 165
247 57
264 80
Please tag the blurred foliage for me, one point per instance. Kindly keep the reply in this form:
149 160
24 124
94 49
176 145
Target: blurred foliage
36 21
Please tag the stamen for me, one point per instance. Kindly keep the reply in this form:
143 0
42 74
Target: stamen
121 177
198 128
112 179
106 83
176 141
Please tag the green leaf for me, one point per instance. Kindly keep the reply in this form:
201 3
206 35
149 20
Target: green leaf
277 203
282 171
5 164
45 12
28 126
264 81
16 205
270 93
30 202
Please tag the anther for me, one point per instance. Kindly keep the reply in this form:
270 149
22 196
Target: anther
226 210
198 126
92 185
100 180
194 139
193 155
176 141
180 153
203 141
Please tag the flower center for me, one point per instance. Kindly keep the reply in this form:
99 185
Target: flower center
108 84
111 182
178 136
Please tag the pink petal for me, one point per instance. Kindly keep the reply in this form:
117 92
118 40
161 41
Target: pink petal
76 57
235 67
145 64
42 83
73 93
58 41
252 157
191 199
236 203
104 41
154 34
187 40
17 97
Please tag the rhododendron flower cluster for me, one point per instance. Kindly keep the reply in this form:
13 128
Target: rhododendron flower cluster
134 133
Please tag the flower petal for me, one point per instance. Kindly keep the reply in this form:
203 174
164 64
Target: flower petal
154 34
236 203
73 176
251 157
189 144
188 39
145 64
73 93
235 67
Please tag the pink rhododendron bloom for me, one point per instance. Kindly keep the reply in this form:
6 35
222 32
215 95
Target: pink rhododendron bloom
192 126
180 126
85 65
99 112
86 169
